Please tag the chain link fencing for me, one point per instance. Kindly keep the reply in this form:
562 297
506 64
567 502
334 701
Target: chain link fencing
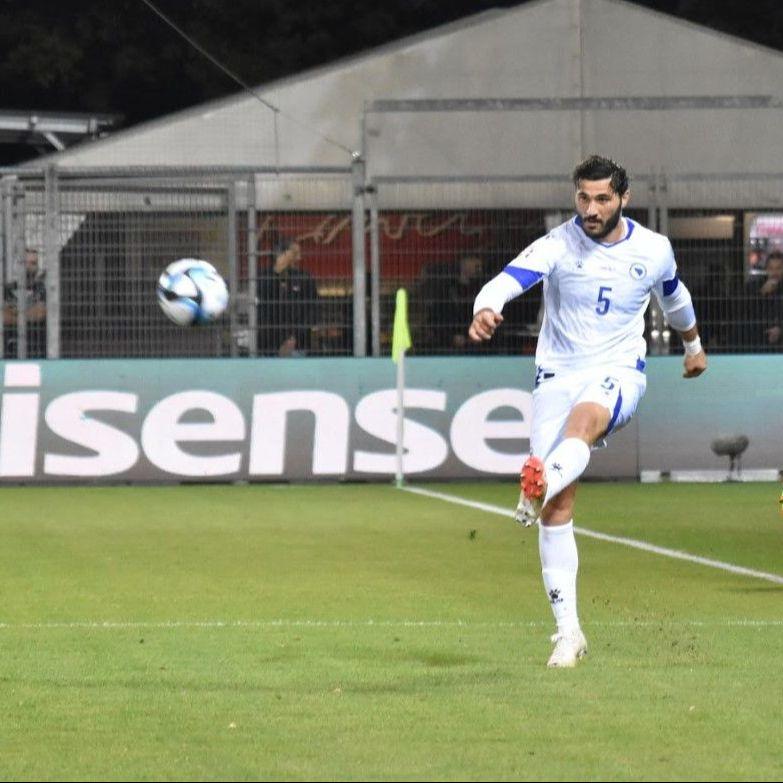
313 260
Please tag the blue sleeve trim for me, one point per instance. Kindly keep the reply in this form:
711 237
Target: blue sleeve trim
527 278
670 286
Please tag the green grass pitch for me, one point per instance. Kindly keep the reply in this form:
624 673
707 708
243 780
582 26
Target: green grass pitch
360 632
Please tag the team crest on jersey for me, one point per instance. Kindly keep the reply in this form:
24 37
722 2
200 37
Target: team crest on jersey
637 271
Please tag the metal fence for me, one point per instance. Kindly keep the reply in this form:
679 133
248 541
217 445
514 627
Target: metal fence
102 243
726 233
103 239
313 258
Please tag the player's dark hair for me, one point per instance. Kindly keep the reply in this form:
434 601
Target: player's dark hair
595 167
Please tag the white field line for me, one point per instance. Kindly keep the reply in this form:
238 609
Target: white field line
630 542
259 624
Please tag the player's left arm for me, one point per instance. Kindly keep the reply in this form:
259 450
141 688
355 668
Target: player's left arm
677 305
695 360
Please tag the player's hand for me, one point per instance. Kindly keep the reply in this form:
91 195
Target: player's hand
695 365
484 324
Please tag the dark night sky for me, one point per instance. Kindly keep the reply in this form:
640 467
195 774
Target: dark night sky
118 57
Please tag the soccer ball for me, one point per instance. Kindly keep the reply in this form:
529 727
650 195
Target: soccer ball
191 291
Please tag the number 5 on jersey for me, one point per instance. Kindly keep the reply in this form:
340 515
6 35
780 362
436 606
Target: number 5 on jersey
602 308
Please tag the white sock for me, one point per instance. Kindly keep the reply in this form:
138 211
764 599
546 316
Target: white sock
559 564
567 462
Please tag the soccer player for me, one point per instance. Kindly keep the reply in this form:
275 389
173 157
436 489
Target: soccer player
598 271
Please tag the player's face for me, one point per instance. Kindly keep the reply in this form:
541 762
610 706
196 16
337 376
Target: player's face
599 207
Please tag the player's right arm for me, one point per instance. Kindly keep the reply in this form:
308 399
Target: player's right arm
484 323
525 271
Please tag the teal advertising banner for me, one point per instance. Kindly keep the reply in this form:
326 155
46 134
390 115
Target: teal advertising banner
738 395
329 419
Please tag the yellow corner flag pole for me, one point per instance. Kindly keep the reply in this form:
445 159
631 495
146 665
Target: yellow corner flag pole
401 341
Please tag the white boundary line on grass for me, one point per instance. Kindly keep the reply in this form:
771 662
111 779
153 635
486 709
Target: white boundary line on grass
630 542
228 624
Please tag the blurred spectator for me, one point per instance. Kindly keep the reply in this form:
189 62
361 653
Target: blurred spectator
34 301
287 302
771 292
764 308
711 287
446 299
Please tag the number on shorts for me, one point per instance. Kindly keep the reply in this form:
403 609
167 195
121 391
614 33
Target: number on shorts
608 384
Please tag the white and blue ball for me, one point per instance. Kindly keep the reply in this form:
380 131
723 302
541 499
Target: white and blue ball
192 292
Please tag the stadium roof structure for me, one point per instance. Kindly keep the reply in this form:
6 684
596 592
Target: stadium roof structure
520 92
44 130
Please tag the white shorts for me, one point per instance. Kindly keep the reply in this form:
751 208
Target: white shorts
618 389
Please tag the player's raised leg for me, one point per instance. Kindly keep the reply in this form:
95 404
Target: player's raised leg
541 480
553 400
531 492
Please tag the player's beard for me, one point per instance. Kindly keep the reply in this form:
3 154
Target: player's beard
607 227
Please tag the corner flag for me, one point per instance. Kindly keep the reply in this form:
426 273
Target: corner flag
401 334
401 341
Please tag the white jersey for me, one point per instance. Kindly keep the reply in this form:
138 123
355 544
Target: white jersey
595 294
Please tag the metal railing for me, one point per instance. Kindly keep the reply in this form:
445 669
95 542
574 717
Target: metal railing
103 237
